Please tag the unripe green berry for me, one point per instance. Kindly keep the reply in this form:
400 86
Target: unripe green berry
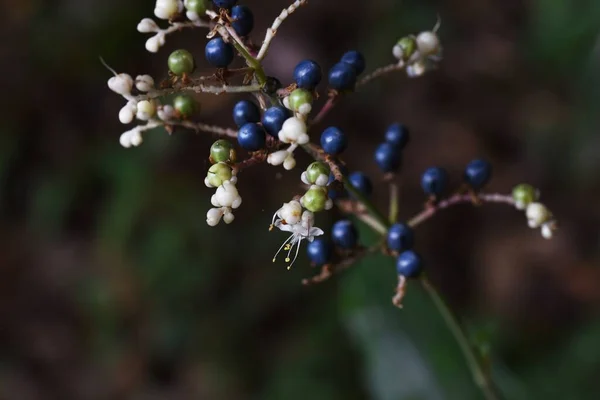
523 195
181 62
315 170
218 173
315 199
222 151
185 105
197 6
405 48
300 100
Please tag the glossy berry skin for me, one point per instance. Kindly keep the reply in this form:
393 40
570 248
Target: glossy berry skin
478 173
344 234
342 76
218 53
307 74
224 3
409 264
434 181
397 135
271 85
356 60
251 137
185 105
274 118
222 151
243 20
361 182
387 157
400 237
181 62
245 111
319 252
333 141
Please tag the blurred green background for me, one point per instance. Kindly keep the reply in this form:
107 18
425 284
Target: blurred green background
113 287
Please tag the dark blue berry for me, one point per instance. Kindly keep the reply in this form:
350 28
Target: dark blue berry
387 157
397 135
251 137
319 251
409 264
307 74
341 192
400 237
245 111
274 118
224 3
342 76
361 182
478 173
333 141
218 53
356 60
344 234
271 85
243 20
434 180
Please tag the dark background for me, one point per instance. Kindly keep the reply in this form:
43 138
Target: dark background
112 286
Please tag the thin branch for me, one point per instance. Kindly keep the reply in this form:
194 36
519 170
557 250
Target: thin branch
200 127
325 109
273 29
430 211
213 89
394 202
380 72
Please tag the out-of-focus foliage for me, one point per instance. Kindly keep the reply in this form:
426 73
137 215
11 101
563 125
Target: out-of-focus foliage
112 286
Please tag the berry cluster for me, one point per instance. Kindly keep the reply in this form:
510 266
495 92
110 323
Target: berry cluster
277 121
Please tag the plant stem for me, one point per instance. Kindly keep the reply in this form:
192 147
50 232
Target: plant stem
482 380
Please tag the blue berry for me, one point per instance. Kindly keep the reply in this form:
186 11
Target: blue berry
361 182
342 76
356 60
434 180
409 264
344 234
400 237
245 111
397 134
387 157
218 53
274 118
224 3
319 251
333 141
478 173
243 20
337 194
251 137
307 74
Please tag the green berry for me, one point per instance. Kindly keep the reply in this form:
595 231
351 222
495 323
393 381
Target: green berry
197 6
185 105
222 151
315 170
315 199
523 195
218 173
301 101
181 62
405 47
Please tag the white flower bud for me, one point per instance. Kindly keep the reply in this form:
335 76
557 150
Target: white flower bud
291 212
146 110
213 216
289 163
144 83
308 219
125 139
305 109
304 178
166 9
227 196
147 25
127 113
136 138
415 69
329 204
166 113
537 214
228 217
428 43
286 102
547 231
153 43
277 158
519 205
192 16
292 129
322 180
121 84
398 52
303 139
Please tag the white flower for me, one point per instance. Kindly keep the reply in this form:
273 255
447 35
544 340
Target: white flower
277 158
213 216
293 130
127 113
537 214
144 83
147 25
289 213
303 229
166 9
226 196
146 110
121 84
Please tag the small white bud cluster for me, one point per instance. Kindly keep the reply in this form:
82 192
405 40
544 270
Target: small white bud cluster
167 9
538 216
419 53
225 199
293 132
